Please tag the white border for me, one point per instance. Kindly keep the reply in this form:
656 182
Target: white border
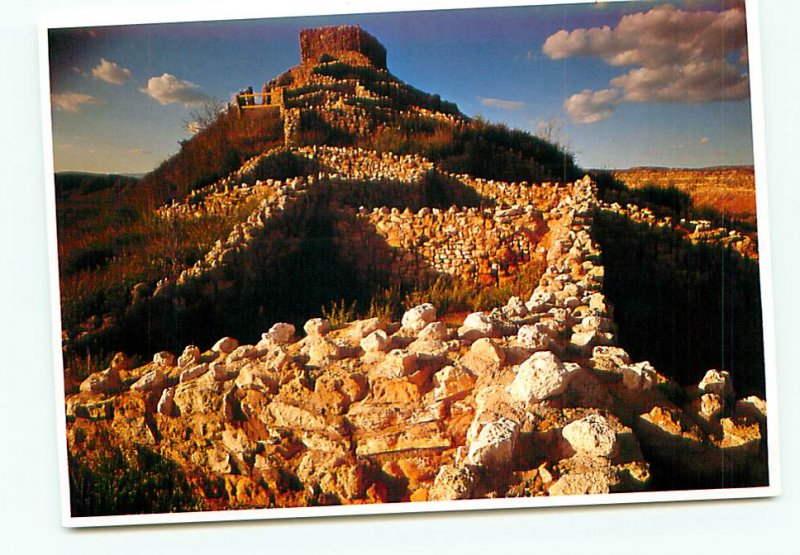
118 17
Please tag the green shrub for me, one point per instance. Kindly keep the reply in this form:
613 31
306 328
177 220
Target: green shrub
139 482
339 312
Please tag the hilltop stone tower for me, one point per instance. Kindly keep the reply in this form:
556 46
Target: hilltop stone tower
336 41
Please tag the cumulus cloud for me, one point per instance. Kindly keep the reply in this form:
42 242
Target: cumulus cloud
700 81
71 102
590 106
168 89
675 55
111 72
502 104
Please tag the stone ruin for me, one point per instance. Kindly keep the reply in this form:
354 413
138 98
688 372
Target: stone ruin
535 398
532 399
335 41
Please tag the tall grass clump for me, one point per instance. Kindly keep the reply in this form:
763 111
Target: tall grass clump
139 481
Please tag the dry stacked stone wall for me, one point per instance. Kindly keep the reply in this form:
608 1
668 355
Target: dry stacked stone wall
532 399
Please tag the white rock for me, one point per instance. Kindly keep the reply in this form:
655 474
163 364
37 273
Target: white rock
150 381
452 381
166 403
415 319
541 376
486 349
591 435
256 376
376 341
323 351
479 321
435 331
281 333
596 323
164 358
398 363
533 337
190 356
610 359
478 325
317 326
242 352
363 328
225 345
453 482
709 406
193 372
717 382
515 308
494 446
107 381
541 301
640 376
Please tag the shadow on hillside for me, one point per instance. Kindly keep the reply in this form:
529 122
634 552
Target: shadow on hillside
685 308
315 254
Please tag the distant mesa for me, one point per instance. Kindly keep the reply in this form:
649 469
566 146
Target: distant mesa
338 41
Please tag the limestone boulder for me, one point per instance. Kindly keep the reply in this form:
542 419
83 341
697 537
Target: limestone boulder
193 372
398 363
541 376
434 331
610 359
534 337
166 403
591 435
189 357
494 447
108 381
717 382
515 308
317 327
242 352
151 381
477 325
415 319
639 377
452 382
164 358
752 407
541 301
281 333
452 483
363 328
378 340
225 345
322 351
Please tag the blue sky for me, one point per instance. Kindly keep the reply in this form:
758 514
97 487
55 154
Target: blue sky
621 84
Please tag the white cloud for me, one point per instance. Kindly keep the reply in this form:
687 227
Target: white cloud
71 102
700 81
590 106
663 35
502 104
111 72
674 55
168 89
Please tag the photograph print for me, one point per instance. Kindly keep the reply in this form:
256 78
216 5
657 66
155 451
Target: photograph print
408 261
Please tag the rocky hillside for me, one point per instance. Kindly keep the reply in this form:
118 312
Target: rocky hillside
532 396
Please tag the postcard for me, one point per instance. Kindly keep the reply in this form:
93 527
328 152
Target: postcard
409 261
